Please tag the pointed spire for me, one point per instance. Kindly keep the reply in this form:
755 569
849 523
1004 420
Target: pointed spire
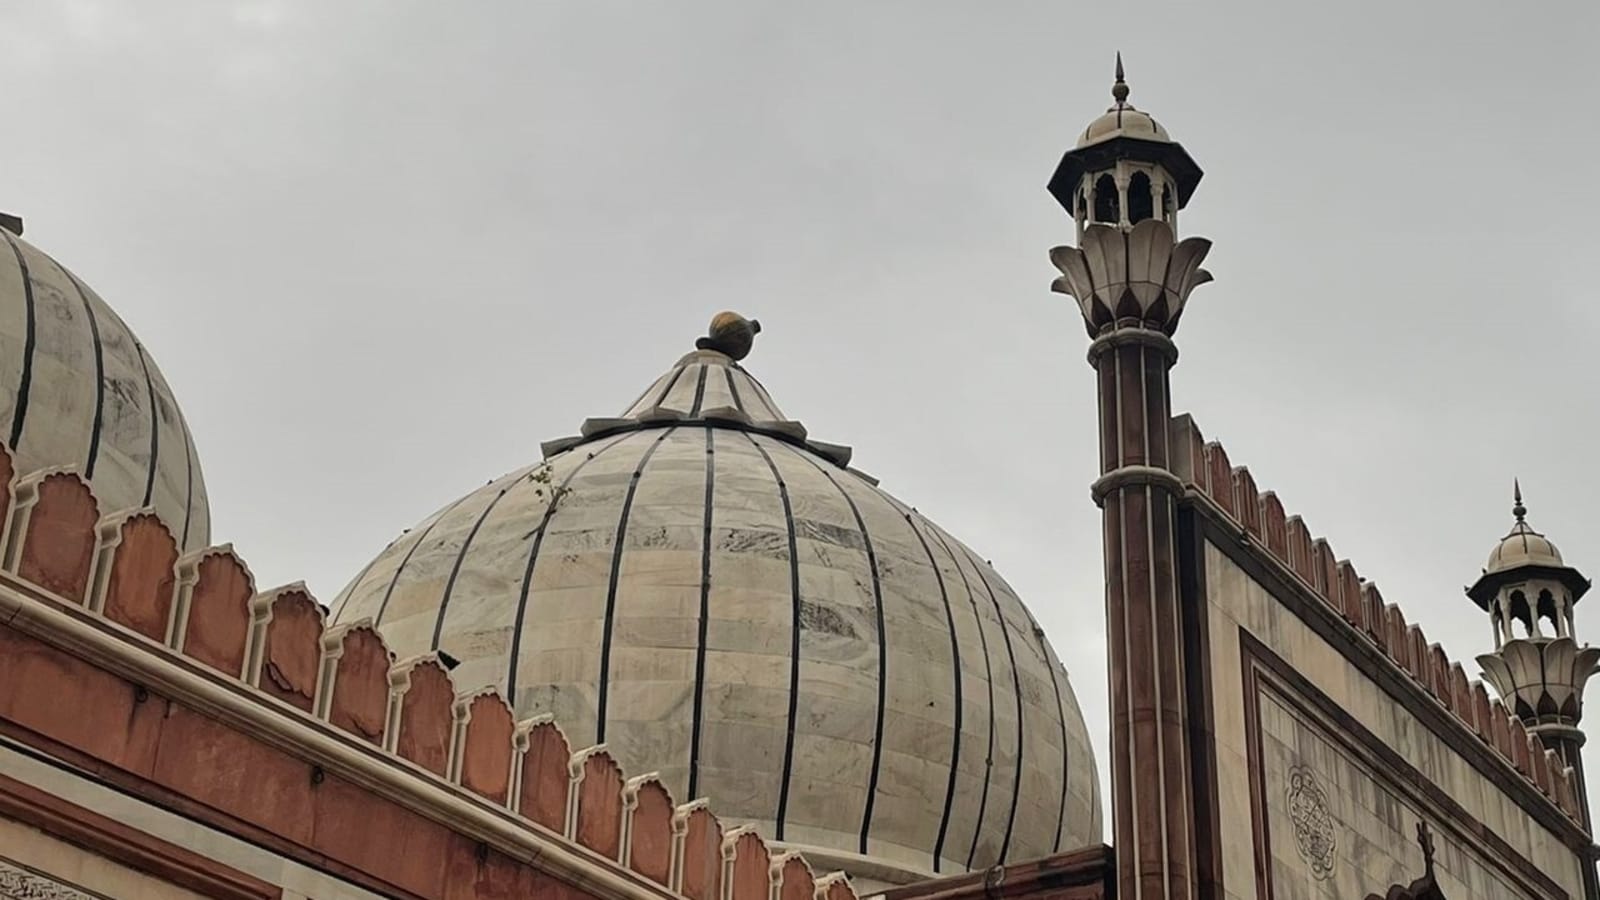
1119 90
1517 508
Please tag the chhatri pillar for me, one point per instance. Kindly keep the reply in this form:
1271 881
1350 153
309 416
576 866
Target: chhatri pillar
1123 184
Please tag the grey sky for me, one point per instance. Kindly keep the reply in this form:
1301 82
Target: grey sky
382 250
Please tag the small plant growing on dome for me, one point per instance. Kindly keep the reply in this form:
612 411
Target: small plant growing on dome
545 478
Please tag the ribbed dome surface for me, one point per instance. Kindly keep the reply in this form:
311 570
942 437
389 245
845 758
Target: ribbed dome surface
1523 547
77 389
1123 121
716 598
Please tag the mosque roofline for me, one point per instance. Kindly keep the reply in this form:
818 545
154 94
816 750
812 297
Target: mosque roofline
270 691
1376 631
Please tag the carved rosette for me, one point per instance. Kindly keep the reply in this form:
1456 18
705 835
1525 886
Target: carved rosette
1144 274
1315 834
1543 679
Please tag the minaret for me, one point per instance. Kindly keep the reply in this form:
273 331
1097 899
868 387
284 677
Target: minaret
1537 666
1123 184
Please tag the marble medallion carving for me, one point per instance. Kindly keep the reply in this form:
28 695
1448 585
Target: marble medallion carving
1315 833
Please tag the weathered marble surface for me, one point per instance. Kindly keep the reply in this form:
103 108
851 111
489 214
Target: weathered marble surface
937 599
59 406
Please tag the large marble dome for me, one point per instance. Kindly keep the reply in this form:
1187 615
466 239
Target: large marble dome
715 596
78 390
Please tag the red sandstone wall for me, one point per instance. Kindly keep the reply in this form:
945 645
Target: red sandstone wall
121 573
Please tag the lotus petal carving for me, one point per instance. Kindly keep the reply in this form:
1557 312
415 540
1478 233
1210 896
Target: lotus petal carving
1143 274
1541 677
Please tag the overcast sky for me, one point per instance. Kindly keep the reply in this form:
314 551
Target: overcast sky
382 250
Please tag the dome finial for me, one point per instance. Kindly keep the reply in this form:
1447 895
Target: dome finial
731 335
1517 508
1119 90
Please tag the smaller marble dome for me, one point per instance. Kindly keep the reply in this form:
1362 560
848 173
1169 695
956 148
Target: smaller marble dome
1122 120
1522 546
78 390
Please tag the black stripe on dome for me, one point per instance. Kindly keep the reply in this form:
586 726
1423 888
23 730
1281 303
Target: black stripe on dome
617 548
188 468
383 605
698 714
764 397
1016 684
99 375
955 657
19 412
676 374
631 408
738 403
794 640
461 556
883 650
343 600
155 425
699 392
988 681
533 558
1056 672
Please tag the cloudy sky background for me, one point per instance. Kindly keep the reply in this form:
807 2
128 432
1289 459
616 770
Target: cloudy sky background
382 250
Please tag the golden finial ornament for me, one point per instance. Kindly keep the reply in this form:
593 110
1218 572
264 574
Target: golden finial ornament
731 335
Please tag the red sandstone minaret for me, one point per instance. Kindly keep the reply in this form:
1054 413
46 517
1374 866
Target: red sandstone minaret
1123 184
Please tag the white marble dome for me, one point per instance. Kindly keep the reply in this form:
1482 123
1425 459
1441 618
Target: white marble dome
721 600
1523 547
78 390
1123 120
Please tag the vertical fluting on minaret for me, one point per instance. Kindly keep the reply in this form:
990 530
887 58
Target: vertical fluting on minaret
1538 667
1131 278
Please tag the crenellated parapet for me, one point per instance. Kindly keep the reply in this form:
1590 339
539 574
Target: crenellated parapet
1287 540
201 616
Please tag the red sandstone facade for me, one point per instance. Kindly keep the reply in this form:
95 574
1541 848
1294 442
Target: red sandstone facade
177 682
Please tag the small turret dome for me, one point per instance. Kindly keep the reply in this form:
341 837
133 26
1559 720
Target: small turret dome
1522 546
1122 120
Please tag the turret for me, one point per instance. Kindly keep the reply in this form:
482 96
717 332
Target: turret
1538 667
1125 169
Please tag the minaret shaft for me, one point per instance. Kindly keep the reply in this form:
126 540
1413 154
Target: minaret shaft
1151 778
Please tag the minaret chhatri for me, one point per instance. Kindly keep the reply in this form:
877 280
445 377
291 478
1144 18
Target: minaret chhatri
1123 184
1537 667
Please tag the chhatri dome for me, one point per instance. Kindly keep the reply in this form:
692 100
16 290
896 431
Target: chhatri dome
1522 546
1122 120
717 597
78 390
